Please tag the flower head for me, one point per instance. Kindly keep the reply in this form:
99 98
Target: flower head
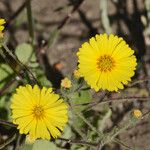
106 62
39 112
137 113
2 22
66 83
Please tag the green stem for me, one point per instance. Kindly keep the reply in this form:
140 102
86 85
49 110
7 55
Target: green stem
122 143
2 54
112 136
79 132
17 65
89 124
30 22
121 130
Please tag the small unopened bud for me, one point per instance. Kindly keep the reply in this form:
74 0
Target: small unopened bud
76 73
66 83
137 113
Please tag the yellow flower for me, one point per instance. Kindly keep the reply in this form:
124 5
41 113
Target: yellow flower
76 73
2 22
66 83
106 62
137 113
39 112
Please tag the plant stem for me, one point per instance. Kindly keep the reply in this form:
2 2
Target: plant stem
78 142
15 15
7 123
104 16
114 100
17 146
79 132
30 22
89 124
17 66
121 143
7 86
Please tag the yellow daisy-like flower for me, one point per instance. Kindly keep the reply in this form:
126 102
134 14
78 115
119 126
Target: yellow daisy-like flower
106 62
2 22
39 112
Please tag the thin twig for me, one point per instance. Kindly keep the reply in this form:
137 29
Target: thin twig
100 146
78 130
6 86
75 8
78 142
104 94
18 11
139 81
55 33
7 123
17 146
89 124
116 140
145 114
80 115
21 65
8 141
119 99
126 99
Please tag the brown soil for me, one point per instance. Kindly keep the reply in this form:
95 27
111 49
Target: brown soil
83 24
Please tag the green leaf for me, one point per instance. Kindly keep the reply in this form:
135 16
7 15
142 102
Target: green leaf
26 147
24 52
78 147
79 98
43 145
4 106
67 132
40 75
82 97
5 73
5 70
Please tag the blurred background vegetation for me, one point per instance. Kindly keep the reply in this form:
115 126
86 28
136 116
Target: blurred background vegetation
42 38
